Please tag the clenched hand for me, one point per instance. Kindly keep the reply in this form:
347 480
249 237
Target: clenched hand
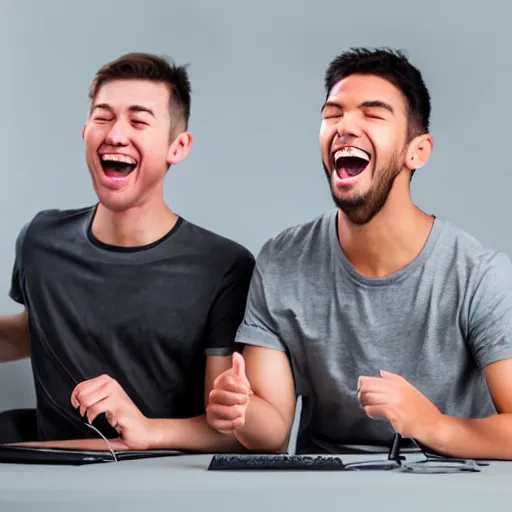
229 398
104 395
392 398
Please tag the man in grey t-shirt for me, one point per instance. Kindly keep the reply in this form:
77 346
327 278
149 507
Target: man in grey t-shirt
375 311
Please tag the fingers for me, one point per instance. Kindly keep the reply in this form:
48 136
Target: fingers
94 397
382 412
374 385
100 407
226 412
376 412
229 382
111 418
222 397
104 406
239 365
87 387
226 426
88 397
226 409
234 380
373 398
228 400
225 418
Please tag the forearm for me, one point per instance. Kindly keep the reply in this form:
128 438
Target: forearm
486 438
192 434
14 338
12 351
265 430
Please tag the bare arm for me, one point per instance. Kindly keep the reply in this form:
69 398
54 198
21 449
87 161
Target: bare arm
271 409
485 438
195 433
104 395
14 339
489 336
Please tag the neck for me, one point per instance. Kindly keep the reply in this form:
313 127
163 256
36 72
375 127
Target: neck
135 227
391 240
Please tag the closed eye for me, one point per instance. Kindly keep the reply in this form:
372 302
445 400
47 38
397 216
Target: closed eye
376 113
331 116
375 116
331 112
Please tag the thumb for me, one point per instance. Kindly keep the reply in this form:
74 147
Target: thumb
239 365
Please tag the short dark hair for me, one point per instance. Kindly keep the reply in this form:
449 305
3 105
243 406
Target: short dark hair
146 66
394 66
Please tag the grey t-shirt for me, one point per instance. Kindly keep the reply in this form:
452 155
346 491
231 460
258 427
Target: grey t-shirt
437 322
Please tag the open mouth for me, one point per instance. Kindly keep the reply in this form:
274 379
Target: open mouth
350 161
115 165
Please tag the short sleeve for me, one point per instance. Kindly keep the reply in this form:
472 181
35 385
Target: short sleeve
16 291
258 326
228 306
490 311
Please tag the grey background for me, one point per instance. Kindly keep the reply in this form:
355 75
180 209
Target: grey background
257 75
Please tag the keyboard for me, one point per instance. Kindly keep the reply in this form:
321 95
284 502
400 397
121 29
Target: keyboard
276 462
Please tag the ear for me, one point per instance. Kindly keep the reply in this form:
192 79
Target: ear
419 151
179 148
83 131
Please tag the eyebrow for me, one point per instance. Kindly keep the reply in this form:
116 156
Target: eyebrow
132 108
377 104
365 104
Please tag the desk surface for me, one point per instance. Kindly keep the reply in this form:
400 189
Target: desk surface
183 483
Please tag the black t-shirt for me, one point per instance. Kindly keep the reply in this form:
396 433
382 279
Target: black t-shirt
147 317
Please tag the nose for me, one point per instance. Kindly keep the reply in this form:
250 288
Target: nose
117 135
348 126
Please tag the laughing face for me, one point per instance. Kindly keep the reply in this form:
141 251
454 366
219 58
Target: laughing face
363 141
127 143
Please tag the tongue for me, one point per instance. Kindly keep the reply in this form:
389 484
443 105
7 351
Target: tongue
349 166
348 172
115 174
117 171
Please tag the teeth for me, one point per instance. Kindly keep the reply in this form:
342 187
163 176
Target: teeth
351 151
113 157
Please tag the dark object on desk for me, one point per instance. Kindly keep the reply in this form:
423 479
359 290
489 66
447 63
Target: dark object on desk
396 461
69 457
430 464
276 462
18 426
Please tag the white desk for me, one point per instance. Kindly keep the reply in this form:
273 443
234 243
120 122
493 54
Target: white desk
183 484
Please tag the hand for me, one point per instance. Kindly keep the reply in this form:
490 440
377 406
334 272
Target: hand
104 395
392 398
228 400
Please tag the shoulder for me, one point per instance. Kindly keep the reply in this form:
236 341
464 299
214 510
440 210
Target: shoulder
471 258
298 240
221 251
51 223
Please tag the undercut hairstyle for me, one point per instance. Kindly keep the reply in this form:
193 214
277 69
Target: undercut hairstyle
146 66
393 66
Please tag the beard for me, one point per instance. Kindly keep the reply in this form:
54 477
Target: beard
362 209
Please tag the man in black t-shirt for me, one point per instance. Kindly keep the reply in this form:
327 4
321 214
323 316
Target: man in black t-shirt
130 310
